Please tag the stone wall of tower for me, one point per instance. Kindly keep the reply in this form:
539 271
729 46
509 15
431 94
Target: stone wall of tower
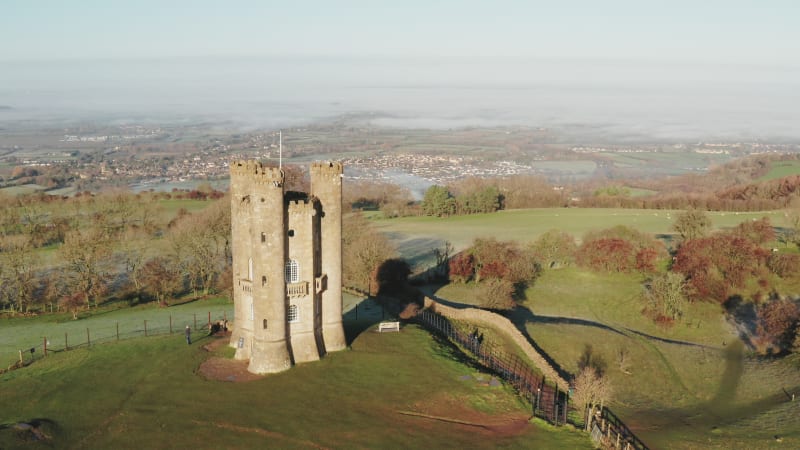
271 228
262 242
326 185
302 240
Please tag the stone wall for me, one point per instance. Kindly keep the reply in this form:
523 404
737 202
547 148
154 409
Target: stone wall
502 325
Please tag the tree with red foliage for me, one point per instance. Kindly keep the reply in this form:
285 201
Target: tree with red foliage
758 231
777 325
462 267
607 255
717 263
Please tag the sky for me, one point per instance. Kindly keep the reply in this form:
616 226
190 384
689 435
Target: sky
668 68
719 31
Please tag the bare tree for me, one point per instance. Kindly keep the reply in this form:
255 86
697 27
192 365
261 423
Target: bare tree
160 278
591 392
86 255
363 251
18 281
692 224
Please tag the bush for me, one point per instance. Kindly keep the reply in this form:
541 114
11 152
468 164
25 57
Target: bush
784 265
777 324
462 267
496 294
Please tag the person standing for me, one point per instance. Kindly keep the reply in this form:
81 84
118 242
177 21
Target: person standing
188 335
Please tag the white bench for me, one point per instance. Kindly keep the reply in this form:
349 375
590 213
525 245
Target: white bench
388 326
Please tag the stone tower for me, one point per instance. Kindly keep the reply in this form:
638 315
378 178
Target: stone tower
287 266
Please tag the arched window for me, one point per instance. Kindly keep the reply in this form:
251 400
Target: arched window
292 315
292 273
250 269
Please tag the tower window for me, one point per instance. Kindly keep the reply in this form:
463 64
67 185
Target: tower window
263 237
263 281
292 271
292 315
291 233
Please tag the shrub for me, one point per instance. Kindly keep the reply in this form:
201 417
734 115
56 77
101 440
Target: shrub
462 267
784 265
777 323
496 294
608 255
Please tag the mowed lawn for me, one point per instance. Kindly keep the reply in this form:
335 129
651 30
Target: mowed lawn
147 393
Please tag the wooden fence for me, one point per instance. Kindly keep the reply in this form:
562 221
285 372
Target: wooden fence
549 401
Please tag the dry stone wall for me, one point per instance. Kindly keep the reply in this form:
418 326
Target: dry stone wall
502 325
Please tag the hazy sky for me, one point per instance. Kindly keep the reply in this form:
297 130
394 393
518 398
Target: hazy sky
728 31
674 68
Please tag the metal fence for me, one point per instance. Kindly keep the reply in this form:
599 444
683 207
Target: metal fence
113 332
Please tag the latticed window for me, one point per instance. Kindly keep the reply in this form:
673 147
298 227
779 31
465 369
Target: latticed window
292 271
292 315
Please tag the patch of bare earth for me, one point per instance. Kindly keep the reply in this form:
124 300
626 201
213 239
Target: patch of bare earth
224 369
452 411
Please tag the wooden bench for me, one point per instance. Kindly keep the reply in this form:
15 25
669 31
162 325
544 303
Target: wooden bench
388 326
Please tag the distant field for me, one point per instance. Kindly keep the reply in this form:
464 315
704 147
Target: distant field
782 169
639 192
566 166
22 190
668 162
172 205
417 236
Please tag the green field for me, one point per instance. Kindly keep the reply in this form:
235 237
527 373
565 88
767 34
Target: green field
22 190
692 385
415 237
781 169
390 390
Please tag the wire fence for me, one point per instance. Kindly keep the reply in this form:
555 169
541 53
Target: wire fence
114 332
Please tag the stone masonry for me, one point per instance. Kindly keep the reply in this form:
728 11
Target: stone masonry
287 266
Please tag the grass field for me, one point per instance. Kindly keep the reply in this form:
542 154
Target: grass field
692 385
415 237
391 390
781 169
22 190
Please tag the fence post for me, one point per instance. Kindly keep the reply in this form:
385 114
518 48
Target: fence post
88 339
555 404
66 342
20 356
538 398
195 321
170 324
145 328
45 346
209 320
117 331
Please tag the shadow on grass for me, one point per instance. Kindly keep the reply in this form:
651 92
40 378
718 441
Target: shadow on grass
360 318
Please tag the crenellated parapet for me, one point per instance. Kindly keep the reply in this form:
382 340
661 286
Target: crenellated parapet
309 207
257 172
330 168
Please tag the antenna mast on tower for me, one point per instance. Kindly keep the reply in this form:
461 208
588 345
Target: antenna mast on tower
280 149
